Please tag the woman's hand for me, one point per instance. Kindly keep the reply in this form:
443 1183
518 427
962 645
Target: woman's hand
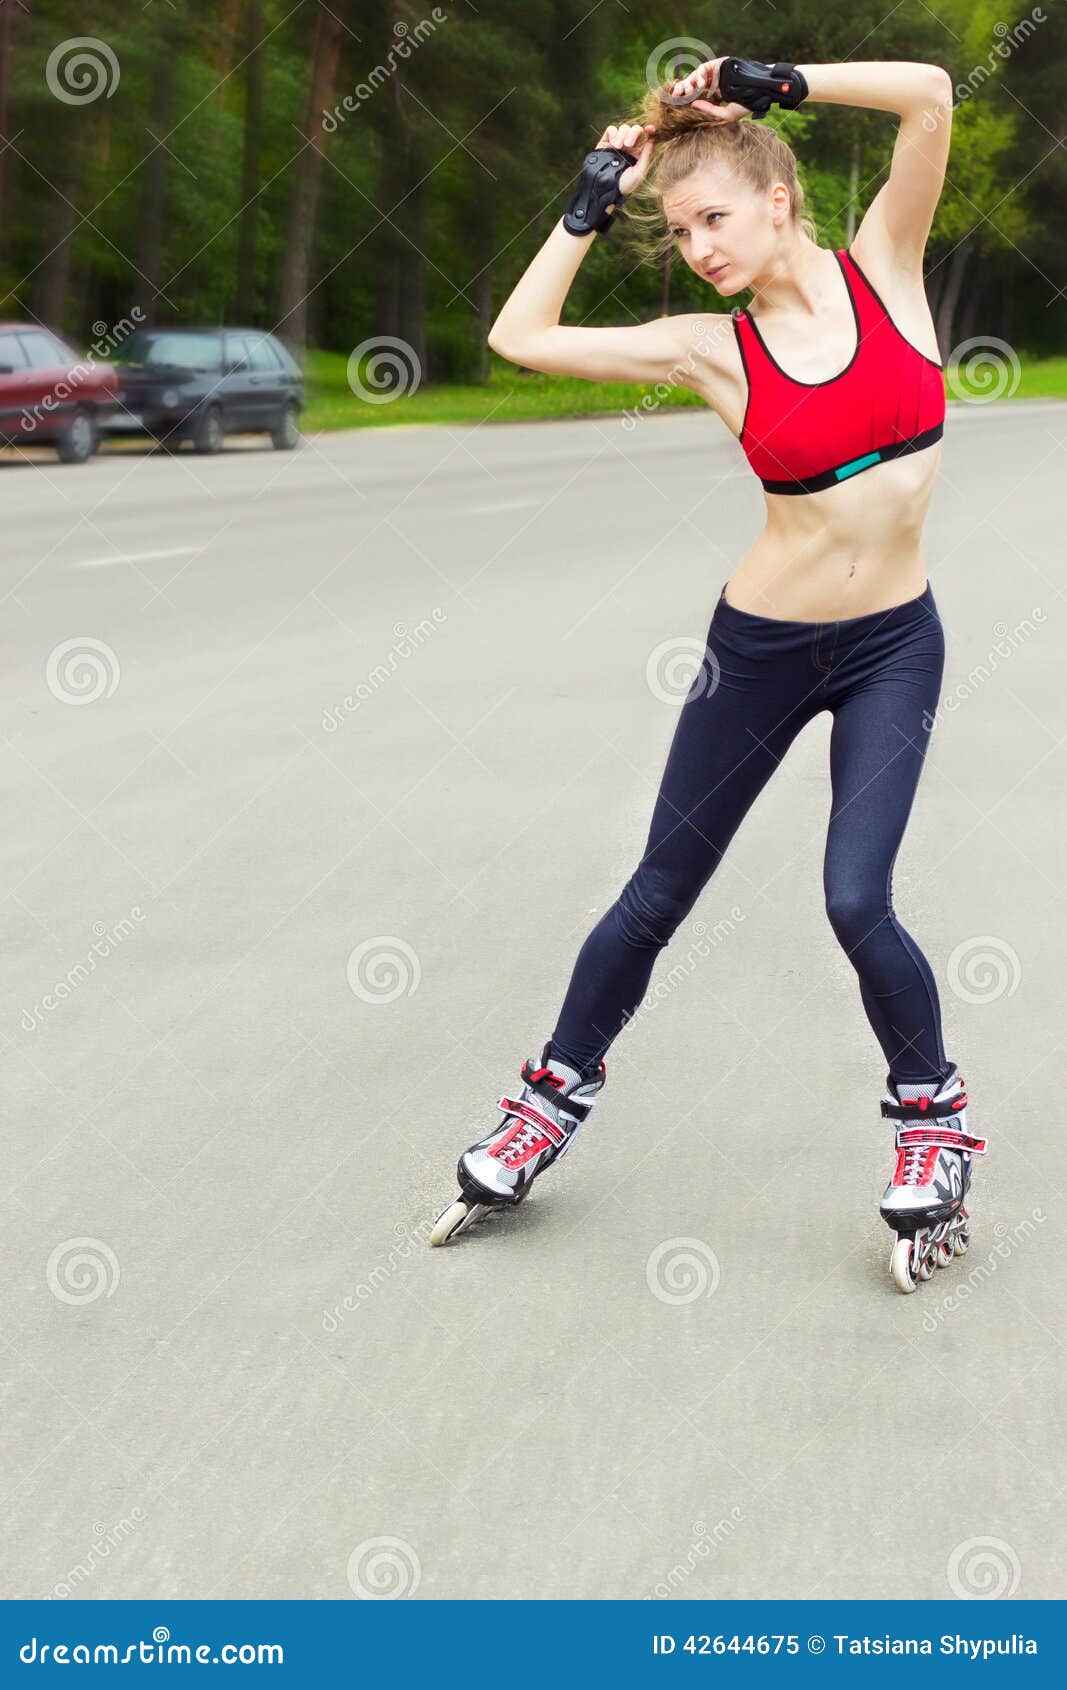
707 76
632 138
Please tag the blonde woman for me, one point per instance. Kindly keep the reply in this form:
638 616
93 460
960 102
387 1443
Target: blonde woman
831 382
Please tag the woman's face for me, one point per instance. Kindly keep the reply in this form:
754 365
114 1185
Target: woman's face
721 226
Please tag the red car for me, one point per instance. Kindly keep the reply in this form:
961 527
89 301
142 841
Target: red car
49 396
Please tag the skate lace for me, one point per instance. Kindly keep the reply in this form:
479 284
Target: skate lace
518 1142
915 1158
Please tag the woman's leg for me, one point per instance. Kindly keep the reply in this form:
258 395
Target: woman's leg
751 698
877 749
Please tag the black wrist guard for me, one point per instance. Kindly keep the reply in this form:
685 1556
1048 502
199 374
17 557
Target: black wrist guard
760 86
598 188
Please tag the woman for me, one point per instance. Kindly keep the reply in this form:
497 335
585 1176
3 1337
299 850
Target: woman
832 384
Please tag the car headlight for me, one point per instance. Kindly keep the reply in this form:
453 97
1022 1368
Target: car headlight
170 398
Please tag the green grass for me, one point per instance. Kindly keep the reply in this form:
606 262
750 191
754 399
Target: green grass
513 396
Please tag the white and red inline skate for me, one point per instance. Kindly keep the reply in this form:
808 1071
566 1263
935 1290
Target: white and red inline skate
538 1128
924 1200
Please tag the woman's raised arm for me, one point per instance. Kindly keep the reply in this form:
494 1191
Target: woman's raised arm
528 331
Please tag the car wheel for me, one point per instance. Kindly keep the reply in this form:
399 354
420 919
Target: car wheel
207 435
286 432
79 439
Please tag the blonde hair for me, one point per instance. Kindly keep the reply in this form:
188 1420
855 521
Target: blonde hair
687 140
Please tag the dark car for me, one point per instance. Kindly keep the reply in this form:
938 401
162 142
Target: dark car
202 384
50 397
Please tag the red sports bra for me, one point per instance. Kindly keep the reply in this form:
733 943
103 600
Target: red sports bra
802 436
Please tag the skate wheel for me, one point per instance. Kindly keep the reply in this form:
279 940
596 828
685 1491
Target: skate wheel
900 1265
925 1268
960 1242
449 1221
945 1252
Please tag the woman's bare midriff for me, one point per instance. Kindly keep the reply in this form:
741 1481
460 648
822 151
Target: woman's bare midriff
850 550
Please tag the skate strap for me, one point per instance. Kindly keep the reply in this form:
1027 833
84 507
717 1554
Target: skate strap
921 1108
946 1138
515 1106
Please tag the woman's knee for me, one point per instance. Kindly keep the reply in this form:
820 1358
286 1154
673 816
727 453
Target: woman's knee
653 903
855 909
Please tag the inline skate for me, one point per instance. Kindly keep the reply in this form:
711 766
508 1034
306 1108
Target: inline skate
924 1200
538 1128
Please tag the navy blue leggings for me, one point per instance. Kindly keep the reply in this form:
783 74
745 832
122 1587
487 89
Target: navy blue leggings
762 679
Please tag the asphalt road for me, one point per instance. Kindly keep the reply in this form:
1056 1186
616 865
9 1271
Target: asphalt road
317 768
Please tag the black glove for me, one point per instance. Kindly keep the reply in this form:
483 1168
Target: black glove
598 189
759 86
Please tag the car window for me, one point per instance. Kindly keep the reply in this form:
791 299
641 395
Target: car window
281 352
263 356
42 352
11 353
174 351
236 349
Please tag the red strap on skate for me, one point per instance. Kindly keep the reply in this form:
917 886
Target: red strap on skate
515 1106
943 1136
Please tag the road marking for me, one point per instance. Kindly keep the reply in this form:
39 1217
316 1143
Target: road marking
507 505
134 557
